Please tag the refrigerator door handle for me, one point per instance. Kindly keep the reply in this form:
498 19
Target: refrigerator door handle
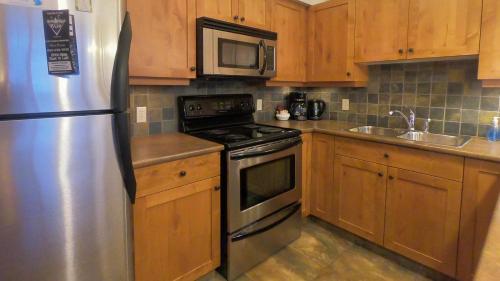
123 152
120 80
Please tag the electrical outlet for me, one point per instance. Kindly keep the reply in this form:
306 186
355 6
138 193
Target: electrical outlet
345 104
259 104
142 113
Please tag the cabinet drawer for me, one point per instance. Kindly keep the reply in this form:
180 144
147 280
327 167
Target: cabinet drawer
168 175
426 162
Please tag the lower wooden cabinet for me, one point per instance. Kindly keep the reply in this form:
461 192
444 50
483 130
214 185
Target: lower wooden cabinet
422 218
479 247
359 197
177 232
306 173
322 177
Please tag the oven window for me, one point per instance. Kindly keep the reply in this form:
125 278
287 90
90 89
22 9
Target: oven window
237 54
265 181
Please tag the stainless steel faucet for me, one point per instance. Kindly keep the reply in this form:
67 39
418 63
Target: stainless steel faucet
410 121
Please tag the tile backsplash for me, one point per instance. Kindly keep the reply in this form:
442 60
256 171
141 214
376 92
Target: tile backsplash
446 92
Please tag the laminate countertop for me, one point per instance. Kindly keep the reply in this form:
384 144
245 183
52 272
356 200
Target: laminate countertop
150 150
477 148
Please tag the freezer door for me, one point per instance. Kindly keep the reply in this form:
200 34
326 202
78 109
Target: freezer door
25 85
64 211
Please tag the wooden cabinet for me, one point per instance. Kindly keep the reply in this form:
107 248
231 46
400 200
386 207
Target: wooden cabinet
322 177
306 173
217 9
422 218
163 47
253 13
290 22
381 30
489 56
359 198
479 250
331 43
416 29
177 228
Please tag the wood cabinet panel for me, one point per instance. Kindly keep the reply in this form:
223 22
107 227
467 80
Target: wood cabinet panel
163 44
289 21
306 173
427 162
152 179
360 188
381 30
422 218
255 13
217 9
444 28
177 232
322 177
489 56
479 247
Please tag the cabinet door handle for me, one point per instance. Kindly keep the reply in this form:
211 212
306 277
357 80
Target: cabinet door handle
182 173
386 155
217 187
348 74
236 17
391 177
410 50
400 51
193 68
242 18
380 174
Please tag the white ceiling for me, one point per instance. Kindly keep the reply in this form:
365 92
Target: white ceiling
312 2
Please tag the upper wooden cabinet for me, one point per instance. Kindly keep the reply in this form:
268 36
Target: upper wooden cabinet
422 218
416 29
381 28
289 21
254 13
331 43
359 201
489 56
163 47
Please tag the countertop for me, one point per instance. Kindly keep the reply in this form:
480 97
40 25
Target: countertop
150 150
477 148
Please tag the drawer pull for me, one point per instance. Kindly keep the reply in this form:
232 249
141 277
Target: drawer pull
182 173
380 174
217 187
391 177
386 155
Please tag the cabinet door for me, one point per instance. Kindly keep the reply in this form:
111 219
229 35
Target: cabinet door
443 28
163 44
289 21
381 30
327 49
479 247
489 55
360 188
306 173
177 232
322 177
254 13
217 9
422 218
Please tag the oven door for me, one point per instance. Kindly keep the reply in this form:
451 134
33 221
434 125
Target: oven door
261 180
232 54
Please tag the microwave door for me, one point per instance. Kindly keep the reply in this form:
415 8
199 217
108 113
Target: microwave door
236 54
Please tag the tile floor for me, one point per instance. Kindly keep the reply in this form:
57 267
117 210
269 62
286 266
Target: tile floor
324 252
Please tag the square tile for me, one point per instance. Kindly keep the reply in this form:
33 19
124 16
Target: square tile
437 113
470 102
489 103
452 115
467 129
438 101
423 100
452 128
470 116
423 88
453 101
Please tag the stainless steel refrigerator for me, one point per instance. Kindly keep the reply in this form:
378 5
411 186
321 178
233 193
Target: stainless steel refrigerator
66 178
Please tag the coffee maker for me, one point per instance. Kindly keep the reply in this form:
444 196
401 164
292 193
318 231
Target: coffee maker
298 106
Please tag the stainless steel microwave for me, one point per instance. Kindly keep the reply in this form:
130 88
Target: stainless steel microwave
226 49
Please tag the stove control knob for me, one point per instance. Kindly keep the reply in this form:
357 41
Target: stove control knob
198 107
191 107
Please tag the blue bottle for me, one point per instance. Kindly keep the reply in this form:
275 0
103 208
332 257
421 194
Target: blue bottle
494 131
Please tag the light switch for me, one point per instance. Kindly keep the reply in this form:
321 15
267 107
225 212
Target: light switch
142 112
345 104
259 104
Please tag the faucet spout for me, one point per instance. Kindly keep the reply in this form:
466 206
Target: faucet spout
410 121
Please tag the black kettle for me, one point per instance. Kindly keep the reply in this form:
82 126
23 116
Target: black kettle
315 109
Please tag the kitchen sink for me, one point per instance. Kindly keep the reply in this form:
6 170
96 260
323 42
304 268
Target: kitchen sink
436 139
378 131
456 141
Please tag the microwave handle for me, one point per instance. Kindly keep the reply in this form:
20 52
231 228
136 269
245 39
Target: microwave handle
262 45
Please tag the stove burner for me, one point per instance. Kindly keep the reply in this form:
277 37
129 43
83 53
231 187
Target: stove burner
235 137
251 126
269 130
218 132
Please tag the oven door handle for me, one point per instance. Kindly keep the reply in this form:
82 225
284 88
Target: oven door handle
243 155
262 44
243 235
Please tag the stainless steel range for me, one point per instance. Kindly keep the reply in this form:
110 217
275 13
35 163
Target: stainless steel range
261 177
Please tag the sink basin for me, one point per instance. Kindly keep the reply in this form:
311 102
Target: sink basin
436 139
378 131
